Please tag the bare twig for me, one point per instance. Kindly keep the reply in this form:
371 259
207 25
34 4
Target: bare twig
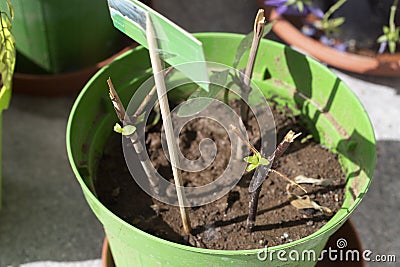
253 204
116 101
283 146
259 24
288 179
147 98
138 146
169 133
240 135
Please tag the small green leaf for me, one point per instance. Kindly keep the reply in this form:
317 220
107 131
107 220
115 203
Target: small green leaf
386 29
263 161
244 45
334 23
200 99
382 38
193 106
128 130
268 27
251 159
251 167
117 128
255 161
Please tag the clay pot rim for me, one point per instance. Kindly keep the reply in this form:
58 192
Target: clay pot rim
387 66
60 84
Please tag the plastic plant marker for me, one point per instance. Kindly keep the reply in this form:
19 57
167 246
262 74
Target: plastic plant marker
175 45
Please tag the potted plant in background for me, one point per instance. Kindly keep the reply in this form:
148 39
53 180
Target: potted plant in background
7 62
349 35
60 44
298 85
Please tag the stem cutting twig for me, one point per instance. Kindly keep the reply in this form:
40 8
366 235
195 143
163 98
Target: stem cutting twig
137 145
253 204
165 112
259 24
147 98
280 149
283 146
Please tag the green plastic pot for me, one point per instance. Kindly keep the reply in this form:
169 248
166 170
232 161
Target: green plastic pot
333 113
56 36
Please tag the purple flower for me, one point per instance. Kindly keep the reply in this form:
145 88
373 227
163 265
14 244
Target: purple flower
309 30
283 8
382 47
332 43
326 41
341 47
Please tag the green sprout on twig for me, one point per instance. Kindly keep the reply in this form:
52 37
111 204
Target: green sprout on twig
255 160
125 130
258 161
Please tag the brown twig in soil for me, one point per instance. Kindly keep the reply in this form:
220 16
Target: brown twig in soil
116 101
138 146
253 203
240 135
259 24
291 182
147 98
283 146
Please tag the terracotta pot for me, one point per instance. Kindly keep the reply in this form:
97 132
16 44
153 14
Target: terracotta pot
381 65
106 256
347 231
59 84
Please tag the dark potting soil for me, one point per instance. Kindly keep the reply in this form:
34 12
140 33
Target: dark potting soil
222 224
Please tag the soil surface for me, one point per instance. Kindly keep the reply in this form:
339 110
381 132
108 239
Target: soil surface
222 224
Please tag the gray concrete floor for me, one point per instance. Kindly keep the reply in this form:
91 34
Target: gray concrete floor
45 220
